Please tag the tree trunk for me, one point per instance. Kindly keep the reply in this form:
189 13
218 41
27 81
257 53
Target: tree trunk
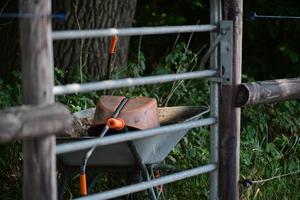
91 55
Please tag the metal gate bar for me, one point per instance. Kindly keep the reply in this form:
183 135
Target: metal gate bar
128 82
215 18
133 135
149 184
80 34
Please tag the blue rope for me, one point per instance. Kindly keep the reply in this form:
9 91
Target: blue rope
57 16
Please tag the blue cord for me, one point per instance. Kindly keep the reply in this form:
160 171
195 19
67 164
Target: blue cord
57 16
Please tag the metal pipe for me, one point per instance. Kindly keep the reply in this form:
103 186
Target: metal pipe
80 34
128 82
214 139
253 16
134 135
210 52
142 167
144 185
215 18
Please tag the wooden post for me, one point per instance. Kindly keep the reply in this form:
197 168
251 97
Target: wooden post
39 166
230 115
268 91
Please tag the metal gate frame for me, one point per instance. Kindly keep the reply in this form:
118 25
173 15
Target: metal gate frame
220 53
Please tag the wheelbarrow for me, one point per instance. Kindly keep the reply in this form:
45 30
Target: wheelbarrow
152 150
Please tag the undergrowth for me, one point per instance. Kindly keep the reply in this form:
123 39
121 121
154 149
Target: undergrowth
270 144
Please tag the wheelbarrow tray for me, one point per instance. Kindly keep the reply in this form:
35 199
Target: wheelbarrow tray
151 149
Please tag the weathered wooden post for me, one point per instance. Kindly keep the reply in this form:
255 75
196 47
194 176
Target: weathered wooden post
39 171
230 115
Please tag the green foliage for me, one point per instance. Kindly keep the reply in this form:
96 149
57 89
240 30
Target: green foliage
270 48
270 144
191 152
269 136
286 50
166 12
179 60
10 171
10 94
269 147
76 102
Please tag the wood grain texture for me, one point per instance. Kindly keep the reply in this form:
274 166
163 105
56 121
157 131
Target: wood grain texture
33 121
39 166
268 91
230 115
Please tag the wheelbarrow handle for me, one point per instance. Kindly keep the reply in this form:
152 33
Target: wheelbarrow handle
113 44
83 186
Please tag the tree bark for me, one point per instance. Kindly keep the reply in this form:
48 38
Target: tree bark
91 55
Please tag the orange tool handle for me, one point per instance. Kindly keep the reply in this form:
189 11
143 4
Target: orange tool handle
113 44
117 124
83 187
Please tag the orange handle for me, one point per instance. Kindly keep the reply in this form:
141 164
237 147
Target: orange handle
113 44
83 187
157 175
117 124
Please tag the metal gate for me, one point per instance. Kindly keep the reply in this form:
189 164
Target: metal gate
220 54
37 31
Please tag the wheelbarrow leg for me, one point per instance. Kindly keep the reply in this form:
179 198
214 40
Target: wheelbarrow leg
135 176
63 181
150 168
93 183
61 186
142 167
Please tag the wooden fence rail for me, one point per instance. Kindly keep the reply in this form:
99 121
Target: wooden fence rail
33 121
268 91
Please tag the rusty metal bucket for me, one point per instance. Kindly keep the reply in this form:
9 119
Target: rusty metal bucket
139 112
152 149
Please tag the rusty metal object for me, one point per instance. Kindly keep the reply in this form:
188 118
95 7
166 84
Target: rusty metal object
140 112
